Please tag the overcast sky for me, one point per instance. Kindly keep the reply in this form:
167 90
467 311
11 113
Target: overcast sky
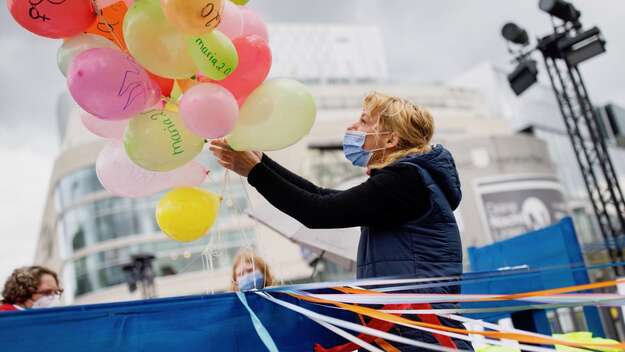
425 40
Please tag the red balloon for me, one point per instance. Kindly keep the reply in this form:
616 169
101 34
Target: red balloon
165 84
254 65
53 18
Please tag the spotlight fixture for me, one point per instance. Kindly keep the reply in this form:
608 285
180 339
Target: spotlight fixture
524 76
561 9
582 46
515 34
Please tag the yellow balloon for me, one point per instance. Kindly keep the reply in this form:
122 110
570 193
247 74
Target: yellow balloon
186 214
277 114
155 43
193 16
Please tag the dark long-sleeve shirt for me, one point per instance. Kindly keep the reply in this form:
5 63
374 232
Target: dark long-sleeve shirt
392 195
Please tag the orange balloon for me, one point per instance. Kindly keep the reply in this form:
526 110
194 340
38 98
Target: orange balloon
186 84
193 16
110 23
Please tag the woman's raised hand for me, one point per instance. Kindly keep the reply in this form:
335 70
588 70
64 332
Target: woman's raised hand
239 162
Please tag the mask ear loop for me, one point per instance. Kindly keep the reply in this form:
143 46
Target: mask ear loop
254 269
378 133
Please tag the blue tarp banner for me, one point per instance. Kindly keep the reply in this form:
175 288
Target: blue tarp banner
197 323
553 246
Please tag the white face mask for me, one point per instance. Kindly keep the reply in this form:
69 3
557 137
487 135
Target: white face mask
48 301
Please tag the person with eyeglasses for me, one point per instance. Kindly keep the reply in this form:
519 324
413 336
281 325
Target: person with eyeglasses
31 287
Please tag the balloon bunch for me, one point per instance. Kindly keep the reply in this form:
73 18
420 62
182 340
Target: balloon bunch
160 77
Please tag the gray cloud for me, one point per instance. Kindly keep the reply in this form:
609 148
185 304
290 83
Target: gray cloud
437 40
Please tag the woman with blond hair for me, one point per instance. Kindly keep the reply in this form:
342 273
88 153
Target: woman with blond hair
405 208
250 271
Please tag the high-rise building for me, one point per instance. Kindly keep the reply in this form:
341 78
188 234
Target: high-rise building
328 54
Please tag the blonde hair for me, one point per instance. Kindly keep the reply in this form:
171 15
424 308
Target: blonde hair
259 263
412 124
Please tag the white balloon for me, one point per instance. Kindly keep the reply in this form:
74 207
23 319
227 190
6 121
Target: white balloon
121 177
75 45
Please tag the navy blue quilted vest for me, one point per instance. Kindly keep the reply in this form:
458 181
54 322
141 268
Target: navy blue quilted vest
427 246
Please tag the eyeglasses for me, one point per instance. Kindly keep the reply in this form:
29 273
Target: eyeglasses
50 292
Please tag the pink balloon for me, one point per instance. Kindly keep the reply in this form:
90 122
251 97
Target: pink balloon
209 110
253 24
231 20
121 177
254 65
110 84
109 129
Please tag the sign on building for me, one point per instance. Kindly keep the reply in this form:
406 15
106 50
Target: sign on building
513 205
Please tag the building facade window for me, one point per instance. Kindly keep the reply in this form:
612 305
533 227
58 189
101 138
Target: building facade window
103 269
75 186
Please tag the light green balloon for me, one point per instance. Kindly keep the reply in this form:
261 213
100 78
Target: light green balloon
214 54
155 43
157 140
240 2
276 115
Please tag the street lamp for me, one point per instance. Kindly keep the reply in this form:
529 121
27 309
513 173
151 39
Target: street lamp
139 272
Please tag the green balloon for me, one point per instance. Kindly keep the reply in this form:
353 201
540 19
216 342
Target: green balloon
276 115
240 2
214 54
157 140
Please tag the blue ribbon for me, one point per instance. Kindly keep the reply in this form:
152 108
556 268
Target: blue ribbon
258 325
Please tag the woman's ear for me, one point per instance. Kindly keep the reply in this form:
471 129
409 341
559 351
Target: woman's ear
392 140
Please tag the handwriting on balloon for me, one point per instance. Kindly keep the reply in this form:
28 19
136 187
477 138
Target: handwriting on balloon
207 12
132 86
212 58
170 126
34 13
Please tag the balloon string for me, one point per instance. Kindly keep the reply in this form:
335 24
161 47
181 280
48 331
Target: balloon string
250 240
224 186
250 205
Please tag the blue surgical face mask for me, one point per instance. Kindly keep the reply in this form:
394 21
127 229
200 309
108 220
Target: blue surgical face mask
353 143
250 281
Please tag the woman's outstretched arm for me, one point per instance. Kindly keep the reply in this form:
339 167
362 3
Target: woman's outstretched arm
378 201
386 198
294 178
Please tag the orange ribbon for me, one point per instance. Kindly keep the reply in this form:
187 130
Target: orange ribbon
493 334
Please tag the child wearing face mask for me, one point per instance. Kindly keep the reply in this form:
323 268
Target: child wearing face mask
31 287
250 272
